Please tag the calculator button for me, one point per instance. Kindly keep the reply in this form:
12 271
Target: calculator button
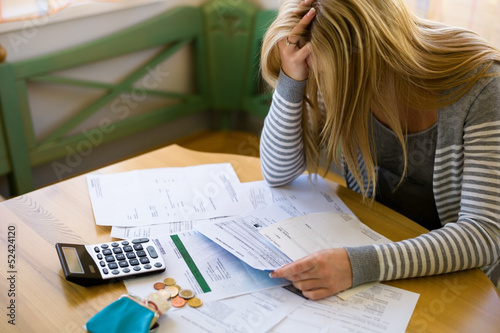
115 271
99 256
109 258
141 253
152 252
125 242
137 268
105 271
144 260
112 265
104 246
138 247
140 240
128 248
134 262
148 266
117 250
123 264
130 255
120 256
114 244
102 263
107 252
96 249
158 264
126 270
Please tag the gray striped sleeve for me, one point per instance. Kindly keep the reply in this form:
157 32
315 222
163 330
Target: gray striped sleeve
467 191
281 146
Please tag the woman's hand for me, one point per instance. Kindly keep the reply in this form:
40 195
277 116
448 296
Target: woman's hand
294 59
319 275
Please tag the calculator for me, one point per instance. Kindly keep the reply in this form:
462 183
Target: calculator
88 265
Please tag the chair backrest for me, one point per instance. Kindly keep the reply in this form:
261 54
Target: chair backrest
225 36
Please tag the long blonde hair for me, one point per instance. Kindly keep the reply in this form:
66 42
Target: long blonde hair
372 54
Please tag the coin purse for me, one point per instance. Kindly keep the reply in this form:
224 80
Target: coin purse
125 315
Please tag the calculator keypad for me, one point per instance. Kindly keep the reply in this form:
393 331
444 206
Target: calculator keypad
126 258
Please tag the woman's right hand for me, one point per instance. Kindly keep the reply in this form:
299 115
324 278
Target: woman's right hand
295 58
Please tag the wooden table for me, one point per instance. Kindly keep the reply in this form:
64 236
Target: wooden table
45 302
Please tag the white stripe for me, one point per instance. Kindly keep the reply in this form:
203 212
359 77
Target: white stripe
449 148
295 106
482 162
431 256
397 261
420 250
483 125
459 253
381 261
456 162
456 179
479 203
446 245
389 269
495 172
404 247
475 186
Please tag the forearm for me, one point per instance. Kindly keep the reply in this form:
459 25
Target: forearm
457 246
281 146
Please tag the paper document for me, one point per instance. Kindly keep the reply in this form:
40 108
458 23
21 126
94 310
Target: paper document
300 236
242 235
153 196
199 264
259 193
252 313
379 309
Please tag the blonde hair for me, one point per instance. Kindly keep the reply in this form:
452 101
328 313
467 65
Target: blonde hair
372 54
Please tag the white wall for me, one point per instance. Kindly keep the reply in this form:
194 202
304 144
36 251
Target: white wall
73 26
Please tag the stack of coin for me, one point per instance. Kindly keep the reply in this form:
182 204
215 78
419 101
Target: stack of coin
178 297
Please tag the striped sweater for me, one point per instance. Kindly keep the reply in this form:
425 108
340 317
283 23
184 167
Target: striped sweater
466 185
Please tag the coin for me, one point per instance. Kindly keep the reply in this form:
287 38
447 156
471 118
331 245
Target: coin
178 287
195 302
169 281
164 293
173 291
186 293
159 285
178 302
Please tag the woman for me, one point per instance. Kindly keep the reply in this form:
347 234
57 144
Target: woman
410 110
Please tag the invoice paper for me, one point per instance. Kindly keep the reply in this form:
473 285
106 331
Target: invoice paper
197 263
153 196
300 236
259 193
378 309
252 313
240 235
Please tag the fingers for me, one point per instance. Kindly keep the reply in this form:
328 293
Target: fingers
295 270
303 24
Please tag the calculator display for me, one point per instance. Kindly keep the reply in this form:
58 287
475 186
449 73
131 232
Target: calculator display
73 260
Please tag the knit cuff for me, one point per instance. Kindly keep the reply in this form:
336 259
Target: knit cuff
365 264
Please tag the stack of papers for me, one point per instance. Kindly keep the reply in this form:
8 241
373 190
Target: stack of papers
220 238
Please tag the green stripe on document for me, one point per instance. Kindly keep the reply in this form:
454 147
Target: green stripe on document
192 266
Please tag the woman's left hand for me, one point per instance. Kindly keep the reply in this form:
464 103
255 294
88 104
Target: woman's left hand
319 275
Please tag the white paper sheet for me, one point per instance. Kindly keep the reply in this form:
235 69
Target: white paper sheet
379 309
153 196
259 193
199 264
252 313
240 235
300 236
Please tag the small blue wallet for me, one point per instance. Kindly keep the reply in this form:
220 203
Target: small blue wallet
125 315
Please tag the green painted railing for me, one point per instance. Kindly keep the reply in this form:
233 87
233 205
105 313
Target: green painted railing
225 36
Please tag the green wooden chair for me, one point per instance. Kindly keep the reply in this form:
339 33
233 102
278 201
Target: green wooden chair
226 38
